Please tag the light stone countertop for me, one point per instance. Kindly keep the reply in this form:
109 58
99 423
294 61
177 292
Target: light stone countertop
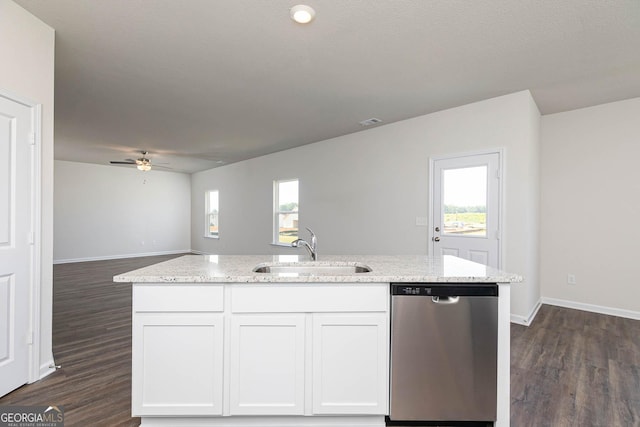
385 269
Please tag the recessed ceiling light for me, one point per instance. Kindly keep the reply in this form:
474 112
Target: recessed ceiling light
302 13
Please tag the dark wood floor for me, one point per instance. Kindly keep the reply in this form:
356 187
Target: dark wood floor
574 368
569 368
92 342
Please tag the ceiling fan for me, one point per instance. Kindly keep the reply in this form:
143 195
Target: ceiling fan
143 163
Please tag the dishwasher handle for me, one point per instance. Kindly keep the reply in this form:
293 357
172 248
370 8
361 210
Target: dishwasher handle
445 300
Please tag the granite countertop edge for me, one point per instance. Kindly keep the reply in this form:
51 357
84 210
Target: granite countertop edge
385 269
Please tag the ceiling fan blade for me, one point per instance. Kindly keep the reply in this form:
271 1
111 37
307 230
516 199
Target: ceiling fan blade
122 163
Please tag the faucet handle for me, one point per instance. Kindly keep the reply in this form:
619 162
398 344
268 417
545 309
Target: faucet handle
314 240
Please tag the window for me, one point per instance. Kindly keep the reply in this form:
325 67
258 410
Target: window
285 198
211 214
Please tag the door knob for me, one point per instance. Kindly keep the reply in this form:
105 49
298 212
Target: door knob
436 239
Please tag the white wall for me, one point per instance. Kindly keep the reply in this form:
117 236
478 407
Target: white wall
590 186
104 212
27 52
361 192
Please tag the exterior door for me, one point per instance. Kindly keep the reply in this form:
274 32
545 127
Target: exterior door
16 242
466 208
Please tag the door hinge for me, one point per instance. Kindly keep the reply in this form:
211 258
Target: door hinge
32 238
498 173
30 338
32 138
498 234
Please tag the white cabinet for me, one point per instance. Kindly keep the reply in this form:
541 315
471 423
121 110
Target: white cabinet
291 350
345 347
177 360
177 364
267 364
350 368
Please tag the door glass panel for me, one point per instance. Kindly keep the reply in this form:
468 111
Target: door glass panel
465 201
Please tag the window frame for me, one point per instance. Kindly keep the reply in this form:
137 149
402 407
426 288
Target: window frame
207 215
276 211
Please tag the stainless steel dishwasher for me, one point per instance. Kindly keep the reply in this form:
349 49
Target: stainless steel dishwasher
444 340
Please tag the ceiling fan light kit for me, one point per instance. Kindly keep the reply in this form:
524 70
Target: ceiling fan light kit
143 163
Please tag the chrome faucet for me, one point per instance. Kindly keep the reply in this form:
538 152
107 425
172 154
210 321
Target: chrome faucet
311 248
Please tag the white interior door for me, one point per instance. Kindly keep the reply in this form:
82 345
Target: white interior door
466 208
16 240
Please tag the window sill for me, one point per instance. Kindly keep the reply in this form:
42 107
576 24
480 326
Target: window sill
284 245
211 237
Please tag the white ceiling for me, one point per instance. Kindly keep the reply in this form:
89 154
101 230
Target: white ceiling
199 81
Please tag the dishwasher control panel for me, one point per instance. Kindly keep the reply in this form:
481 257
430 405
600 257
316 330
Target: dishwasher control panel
448 290
413 290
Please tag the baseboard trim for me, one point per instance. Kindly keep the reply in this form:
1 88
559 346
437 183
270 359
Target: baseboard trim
526 320
108 257
611 311
193 251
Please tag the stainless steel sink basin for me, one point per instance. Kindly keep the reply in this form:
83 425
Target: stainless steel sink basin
332 269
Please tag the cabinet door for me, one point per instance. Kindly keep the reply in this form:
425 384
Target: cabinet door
350 363
267 364
177 364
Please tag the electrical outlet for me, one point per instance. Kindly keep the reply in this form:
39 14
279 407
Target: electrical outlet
571 279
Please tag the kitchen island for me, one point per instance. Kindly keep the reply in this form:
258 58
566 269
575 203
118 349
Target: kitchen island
217 344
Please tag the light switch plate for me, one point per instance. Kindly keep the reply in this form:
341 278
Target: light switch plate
422 221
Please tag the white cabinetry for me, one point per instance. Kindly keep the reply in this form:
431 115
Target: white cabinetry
350 363
341 332
267 364
177 351
248 350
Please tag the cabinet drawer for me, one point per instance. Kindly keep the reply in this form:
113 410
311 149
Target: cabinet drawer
168 298
307 298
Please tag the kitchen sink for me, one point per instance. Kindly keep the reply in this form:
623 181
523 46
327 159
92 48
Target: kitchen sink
331 269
